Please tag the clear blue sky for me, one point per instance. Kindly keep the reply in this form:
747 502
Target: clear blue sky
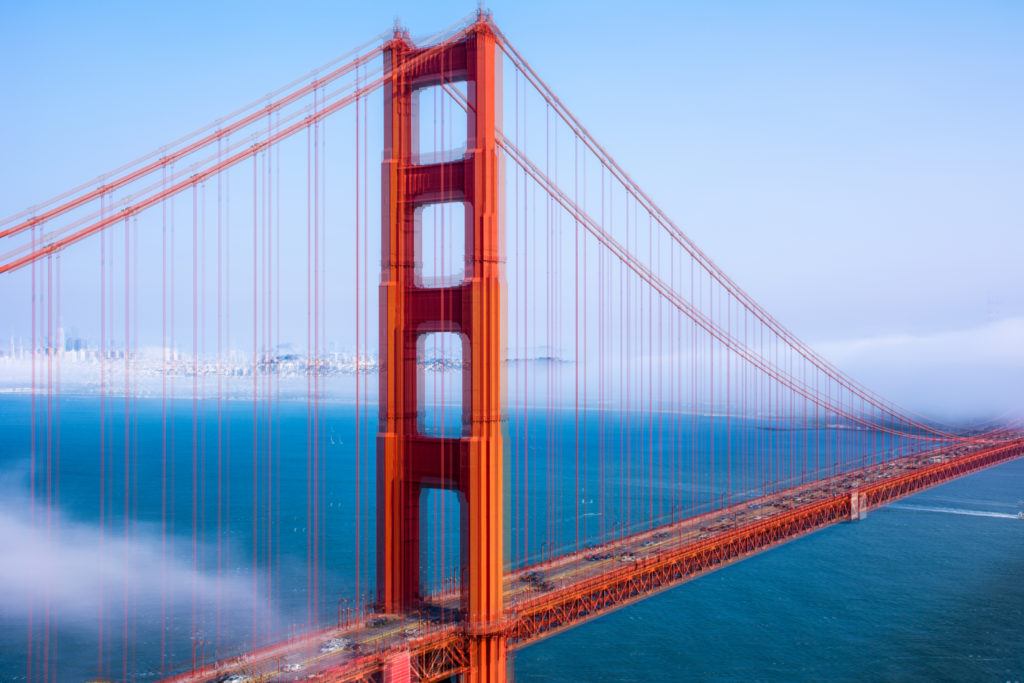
856 166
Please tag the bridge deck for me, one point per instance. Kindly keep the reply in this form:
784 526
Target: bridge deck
545 599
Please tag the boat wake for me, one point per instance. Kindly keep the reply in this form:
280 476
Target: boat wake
956 511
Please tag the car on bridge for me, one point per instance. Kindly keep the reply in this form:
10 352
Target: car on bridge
336 645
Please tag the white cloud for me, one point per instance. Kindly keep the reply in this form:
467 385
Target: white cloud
957 373
74 565
79 570
999 343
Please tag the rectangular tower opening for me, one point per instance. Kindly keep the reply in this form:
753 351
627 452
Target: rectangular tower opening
440 365
440 542
441 244
440 122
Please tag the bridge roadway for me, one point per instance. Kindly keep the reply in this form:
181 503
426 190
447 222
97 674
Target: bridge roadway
544 599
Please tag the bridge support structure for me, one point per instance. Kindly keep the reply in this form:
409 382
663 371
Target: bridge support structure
409 461
858 506
398 668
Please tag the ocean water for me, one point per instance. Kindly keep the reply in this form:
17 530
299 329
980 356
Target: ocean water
217 540
932 594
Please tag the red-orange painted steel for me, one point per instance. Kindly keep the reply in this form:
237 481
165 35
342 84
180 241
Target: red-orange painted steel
398 668
408 461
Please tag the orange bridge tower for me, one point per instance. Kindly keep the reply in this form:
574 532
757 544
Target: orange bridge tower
409 461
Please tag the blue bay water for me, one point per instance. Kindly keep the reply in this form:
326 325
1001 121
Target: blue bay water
217 555
905 595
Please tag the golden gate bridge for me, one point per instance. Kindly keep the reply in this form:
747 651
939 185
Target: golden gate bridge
423 231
